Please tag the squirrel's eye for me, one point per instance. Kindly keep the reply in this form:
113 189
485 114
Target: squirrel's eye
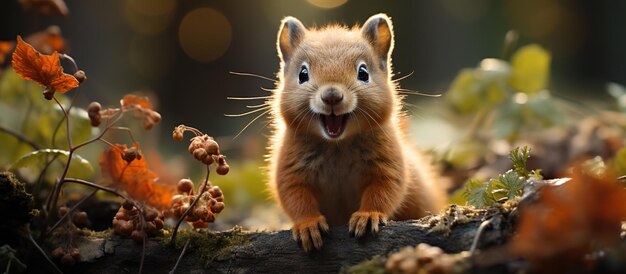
304 75
362 73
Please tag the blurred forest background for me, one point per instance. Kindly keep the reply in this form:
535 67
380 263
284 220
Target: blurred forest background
180 54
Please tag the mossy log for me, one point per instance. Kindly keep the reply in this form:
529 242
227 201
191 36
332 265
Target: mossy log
274 252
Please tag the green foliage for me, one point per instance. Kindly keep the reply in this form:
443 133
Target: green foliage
24 110
519 159
477 193
33 163
506 186
514 93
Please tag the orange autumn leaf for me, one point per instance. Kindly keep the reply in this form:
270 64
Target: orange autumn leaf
134 177
131 101
43 69
142 108
568 221
5 48
48 41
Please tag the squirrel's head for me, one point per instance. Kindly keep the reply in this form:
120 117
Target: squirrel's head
335 82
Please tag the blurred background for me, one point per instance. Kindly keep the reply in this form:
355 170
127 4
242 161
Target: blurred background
180 53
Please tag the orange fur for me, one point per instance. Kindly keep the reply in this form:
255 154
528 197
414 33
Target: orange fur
367 173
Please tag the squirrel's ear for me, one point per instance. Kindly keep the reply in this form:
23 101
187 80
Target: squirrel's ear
378 30
289 36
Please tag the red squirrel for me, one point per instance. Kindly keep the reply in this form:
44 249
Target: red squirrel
339 153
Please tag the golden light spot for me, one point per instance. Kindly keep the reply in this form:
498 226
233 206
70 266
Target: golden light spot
204 34
520 98
327 4
149 17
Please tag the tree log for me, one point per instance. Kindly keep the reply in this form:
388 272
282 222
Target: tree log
274 252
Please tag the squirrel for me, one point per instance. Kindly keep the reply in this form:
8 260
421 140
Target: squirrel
339 153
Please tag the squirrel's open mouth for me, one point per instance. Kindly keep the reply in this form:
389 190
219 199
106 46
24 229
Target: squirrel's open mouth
334 124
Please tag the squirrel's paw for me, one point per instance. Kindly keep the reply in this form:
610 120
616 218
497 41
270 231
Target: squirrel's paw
360 219
308 232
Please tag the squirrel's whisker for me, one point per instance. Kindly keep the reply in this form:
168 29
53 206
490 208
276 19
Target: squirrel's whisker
249 98
253 75
403 77
252 121
247 113
414 92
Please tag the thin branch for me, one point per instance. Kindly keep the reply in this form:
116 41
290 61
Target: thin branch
32 240
127 130
479 233
20 137
72 210
182 253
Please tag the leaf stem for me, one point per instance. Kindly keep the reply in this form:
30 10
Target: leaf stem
180 257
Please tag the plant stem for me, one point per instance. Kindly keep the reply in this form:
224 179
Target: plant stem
182 253
72 210
32 240
193 204
20 137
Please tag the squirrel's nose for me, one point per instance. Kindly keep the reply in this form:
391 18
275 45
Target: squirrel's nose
331 96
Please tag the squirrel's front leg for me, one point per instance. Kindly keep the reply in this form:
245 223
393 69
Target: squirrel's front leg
298 200
381 198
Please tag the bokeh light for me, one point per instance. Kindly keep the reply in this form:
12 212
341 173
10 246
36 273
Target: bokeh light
149 17
327 4
204 34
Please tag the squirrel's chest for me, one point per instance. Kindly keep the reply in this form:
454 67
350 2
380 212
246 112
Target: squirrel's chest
338 174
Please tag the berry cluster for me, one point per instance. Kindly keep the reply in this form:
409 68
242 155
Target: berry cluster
211 202
67 256
140 106
426 259
203 148
79 218
127 221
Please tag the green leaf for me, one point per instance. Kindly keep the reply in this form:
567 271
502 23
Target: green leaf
531 69
31 164
511 184
519 158
476 193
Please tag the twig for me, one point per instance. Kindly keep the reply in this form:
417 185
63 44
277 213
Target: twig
20 137
32 240
479 233
182 253
71 210
193 204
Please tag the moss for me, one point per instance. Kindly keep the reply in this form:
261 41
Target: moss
211 245
374 266
16 205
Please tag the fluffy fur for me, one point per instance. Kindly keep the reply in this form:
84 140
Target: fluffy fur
368 173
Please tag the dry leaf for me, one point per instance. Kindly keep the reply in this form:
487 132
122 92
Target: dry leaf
135 177
142 108
131 101
571 220
48 41
46 7
43 69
